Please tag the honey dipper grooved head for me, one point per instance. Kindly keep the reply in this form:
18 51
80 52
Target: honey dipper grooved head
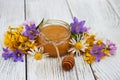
68 62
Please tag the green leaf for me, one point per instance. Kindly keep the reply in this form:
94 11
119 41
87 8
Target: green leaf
41 23
74 36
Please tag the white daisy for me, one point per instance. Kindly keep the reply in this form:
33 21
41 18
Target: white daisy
77 45
37 52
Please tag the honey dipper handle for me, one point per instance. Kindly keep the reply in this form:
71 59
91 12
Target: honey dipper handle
71 54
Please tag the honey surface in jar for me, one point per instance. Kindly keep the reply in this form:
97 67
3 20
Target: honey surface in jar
57 34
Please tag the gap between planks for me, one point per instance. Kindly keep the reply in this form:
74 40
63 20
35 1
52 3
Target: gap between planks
25 55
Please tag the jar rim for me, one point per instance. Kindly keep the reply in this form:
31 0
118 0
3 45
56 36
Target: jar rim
55 22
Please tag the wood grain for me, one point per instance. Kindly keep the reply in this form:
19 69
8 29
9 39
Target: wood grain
49 69
116 6
11 13
104 20
39 9
103 16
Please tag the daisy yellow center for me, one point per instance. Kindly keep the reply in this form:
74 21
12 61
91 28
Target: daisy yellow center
38 56
78 45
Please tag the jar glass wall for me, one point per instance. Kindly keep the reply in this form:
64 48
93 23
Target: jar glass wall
55 33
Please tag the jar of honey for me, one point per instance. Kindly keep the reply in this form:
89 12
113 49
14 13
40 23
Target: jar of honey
54 37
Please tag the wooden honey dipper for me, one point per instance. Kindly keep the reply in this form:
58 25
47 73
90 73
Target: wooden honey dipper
68 62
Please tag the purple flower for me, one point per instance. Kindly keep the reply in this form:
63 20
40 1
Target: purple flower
97 52
30 31
18 55
111 47
78 27
7 53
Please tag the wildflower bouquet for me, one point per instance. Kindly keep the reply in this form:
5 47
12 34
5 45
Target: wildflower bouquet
24 40
20 41
87 44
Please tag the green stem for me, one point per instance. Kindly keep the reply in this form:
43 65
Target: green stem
41 23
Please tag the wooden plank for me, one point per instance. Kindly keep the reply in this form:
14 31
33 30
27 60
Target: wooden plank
11 13
116 6
108 69
103 20
49 69
37 10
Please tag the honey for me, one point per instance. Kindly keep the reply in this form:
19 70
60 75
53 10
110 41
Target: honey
55 34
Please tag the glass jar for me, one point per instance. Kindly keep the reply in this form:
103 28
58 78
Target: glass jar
55 37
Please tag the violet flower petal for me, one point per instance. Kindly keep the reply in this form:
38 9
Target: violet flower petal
81 23
6 53
18 56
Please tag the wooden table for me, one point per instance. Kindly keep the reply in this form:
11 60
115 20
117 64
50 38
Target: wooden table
103 16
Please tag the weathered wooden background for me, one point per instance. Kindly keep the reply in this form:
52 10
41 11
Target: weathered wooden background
103 16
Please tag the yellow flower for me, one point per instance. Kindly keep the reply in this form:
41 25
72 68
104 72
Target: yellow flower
89 58
17 30
86 34
105 51
20 29
15 40
99 42
12 37
23 38
30 44
10 40
90 46
7 39
25 46
91 39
